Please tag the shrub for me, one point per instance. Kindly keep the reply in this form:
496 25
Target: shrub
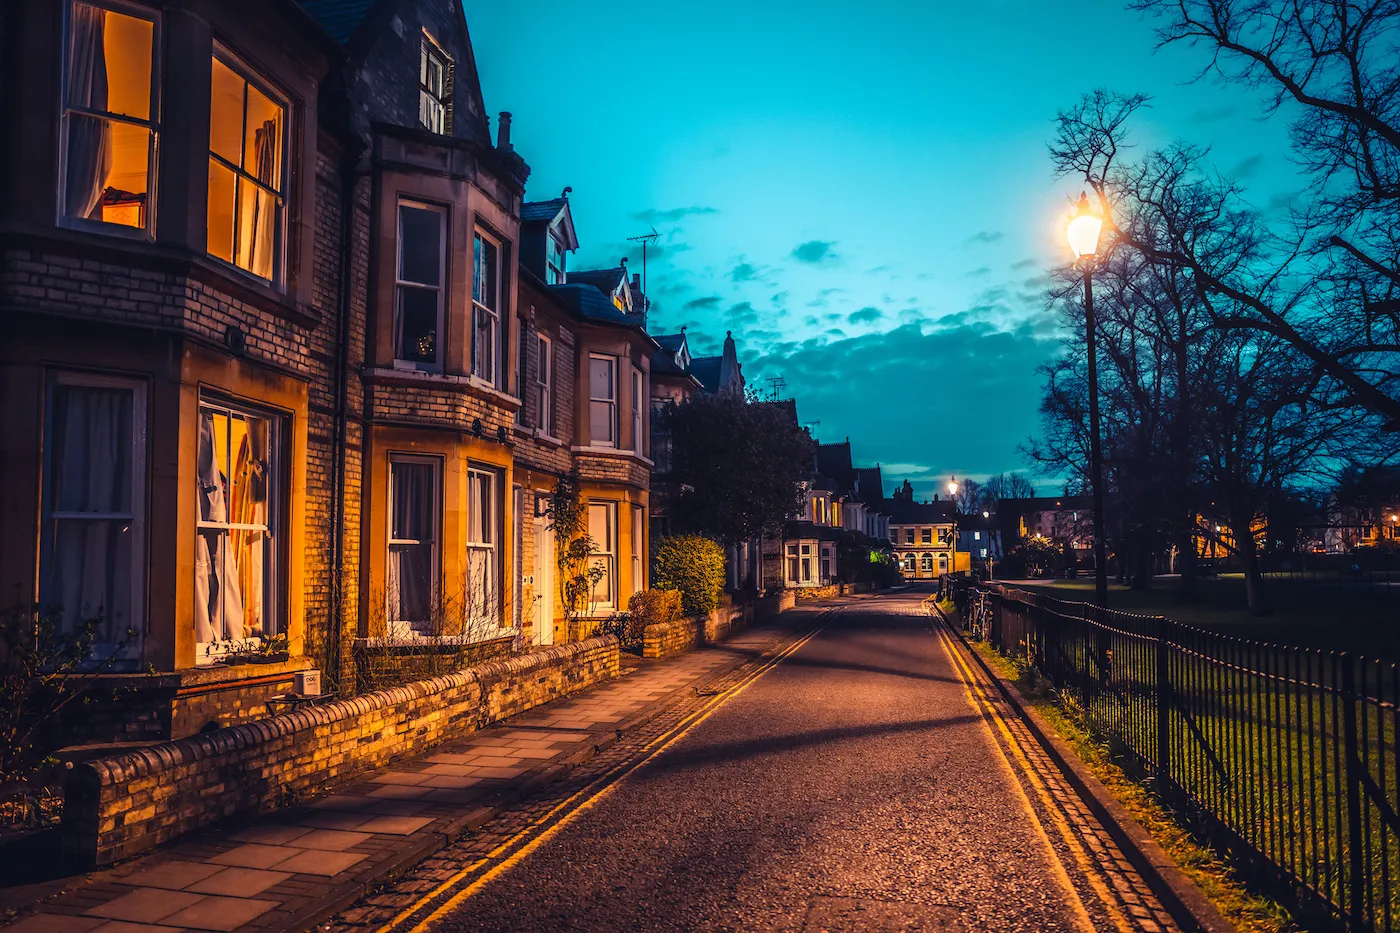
693 566
654 606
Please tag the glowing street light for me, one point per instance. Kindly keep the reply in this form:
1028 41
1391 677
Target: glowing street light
987 517
1083 232
953 501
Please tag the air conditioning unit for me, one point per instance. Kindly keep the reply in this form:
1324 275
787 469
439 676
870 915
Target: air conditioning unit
307 683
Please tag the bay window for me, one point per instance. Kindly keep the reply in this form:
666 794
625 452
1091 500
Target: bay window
92 545
483 583
639 553
486 308
247 144
418 286
602 529
602 401
415 496
237 472
110 116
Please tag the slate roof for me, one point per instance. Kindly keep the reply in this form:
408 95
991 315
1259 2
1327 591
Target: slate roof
706 369
801 528
340 18
663 362
670 342
870 484
603 280
834 460
532 211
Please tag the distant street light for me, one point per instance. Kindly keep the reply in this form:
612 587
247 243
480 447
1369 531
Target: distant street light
953 501
987 516
1083 234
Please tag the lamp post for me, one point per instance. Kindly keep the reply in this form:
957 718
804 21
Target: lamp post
953 501
987 520
1083 234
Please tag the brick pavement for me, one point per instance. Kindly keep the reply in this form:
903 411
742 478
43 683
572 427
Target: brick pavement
289 868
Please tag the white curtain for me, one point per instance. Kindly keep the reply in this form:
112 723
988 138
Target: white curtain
261 213
218 614
89 138
90 561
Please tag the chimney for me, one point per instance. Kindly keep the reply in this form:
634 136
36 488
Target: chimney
503 131
637 281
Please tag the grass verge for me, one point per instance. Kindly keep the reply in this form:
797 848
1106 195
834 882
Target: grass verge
1248 911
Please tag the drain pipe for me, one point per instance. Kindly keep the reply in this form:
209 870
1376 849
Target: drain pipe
350 174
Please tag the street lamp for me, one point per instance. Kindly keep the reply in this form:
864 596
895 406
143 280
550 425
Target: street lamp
987 518
1083 234
953 501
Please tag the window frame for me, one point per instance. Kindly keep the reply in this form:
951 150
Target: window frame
605 551
544 383
282 196
482 236
613 440
429 50
639 565
137 515
400 283
279 490
926 536
554 272
493 527
638 428
152 123
403 628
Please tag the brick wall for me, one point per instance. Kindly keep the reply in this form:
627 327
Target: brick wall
665 639
120 806
817 592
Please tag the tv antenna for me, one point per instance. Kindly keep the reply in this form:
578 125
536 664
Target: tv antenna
646 239
809 425
776 384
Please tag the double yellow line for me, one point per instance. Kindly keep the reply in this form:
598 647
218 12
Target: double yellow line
981 702
581 800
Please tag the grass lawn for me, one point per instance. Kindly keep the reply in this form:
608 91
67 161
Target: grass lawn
1359 619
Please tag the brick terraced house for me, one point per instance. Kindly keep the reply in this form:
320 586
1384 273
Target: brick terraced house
281 378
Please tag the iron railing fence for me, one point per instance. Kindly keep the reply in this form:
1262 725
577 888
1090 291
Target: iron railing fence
1289 755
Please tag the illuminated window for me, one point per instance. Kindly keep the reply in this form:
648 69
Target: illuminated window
434 88
247 141
418 286
110 111
926 536
237 470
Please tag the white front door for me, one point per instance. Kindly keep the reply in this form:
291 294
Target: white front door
544 583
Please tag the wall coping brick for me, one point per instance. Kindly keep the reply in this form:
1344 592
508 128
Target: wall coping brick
255 765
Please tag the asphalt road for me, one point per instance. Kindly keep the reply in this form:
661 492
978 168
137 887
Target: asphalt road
852 787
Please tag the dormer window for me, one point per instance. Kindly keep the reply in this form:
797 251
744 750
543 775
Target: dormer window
554 262
434 89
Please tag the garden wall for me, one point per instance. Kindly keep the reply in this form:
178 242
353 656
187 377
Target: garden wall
665 639
119 806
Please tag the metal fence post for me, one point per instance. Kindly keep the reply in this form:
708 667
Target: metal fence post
1165 632
1356 883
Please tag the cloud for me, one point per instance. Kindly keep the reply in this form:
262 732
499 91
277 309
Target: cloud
836 332
866 315
815 252
707 303
748 272
779 297
1248 168
1214 114
1025 263
654 216
984 236
979 271
741 314
845 382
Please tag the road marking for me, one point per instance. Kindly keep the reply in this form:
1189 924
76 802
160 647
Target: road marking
982 704
600 789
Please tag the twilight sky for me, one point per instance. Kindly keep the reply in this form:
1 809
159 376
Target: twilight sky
861 193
